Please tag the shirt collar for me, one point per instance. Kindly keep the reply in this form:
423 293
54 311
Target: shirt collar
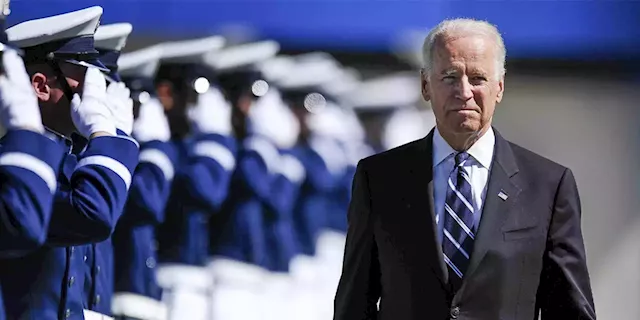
482 150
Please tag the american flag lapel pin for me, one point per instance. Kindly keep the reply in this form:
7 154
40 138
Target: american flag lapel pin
503 195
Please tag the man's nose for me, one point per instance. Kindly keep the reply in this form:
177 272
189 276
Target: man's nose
464 89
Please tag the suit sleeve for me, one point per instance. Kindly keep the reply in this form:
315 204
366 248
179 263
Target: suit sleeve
565 290
359 287
29 166
88 210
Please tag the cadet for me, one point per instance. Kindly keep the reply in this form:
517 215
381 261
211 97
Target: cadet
29 161
92 189
239 241
137 294
109 40
200 124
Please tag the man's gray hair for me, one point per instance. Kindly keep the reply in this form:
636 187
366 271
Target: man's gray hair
462 26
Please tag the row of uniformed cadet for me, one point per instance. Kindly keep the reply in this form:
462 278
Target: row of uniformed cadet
213 204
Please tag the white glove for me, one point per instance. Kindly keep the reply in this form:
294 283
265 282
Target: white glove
91 113
121 106
152 123
18 103
272 118
211 114
330 122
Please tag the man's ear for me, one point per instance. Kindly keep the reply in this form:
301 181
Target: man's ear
424 84
500 91
40 86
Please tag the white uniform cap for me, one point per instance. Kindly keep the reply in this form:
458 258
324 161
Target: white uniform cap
140 63
276 68
68 37
388 92
348 80
190 51
63 26
242 55
310 73
112 36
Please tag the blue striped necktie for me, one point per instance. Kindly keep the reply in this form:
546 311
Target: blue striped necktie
457 243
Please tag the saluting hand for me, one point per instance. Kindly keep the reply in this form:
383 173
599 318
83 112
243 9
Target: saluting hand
18 103
121 106
90 114
152 123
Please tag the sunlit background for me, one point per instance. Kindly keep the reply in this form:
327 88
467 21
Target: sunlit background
572 86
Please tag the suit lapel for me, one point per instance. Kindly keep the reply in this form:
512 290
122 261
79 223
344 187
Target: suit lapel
502 192
421 186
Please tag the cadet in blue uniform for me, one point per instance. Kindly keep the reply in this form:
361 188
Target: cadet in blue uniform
109 40
201 135
92 187
137 294
319 159
238 232
273 120
239 248
29 161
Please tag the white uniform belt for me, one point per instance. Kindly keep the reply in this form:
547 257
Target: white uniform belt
92 315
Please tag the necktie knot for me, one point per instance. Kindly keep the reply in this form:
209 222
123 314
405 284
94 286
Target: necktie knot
460 158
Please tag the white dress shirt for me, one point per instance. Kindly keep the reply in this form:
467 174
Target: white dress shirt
477 166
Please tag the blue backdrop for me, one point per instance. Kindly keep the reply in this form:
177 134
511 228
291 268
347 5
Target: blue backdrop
532 29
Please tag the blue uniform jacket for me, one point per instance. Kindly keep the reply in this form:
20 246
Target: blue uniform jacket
134 238
313 204
239 230
282 244
203 171
92 190
29 165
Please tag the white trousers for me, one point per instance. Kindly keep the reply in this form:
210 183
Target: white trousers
186 291
239 290
136 306
92 315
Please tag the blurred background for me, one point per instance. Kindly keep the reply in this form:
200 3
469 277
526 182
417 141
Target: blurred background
573 74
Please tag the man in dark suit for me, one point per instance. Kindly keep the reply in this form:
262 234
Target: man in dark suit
463 224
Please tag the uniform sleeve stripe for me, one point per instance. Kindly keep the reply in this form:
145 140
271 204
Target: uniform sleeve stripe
159 159
128 138
292 169
267 151
216 151
33 164
109 163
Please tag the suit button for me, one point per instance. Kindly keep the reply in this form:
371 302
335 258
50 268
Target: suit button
73 249
97 299
455 312
84 258
67 313
98 269
72 280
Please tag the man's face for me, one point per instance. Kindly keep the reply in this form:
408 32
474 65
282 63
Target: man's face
49 88
463 86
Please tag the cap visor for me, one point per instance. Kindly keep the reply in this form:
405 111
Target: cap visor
112 77
94 63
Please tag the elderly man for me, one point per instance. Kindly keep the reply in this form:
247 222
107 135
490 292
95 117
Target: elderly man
463 224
